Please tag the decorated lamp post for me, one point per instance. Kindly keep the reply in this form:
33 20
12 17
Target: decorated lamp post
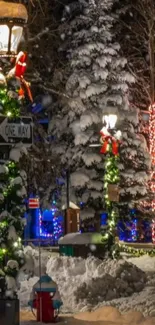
109 142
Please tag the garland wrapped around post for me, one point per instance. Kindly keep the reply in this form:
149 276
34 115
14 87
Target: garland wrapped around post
110 147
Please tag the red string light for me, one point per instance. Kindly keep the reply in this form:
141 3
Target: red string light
152 152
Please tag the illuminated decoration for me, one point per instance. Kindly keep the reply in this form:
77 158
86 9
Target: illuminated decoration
11 210
109 143
152 152
110 140
134 228
13 17
50 224
9 106
135 251
134 231
103 219
128 231
110 121
144 117
111 176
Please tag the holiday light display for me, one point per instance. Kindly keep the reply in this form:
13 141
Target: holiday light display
152 152
55 222
110 139
12 208
128 230
136 252
9 103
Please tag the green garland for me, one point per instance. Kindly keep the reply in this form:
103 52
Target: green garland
12 205
111 176
9 104
136 252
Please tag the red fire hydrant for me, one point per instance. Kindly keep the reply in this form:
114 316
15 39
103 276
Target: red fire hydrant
45 298
44 307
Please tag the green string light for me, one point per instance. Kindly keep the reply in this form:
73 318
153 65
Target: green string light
111 176
135 251
9 106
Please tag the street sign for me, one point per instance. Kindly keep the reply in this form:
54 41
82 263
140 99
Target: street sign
15 130
34 203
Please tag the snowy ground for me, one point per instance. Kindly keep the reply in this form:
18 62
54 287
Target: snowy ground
80 279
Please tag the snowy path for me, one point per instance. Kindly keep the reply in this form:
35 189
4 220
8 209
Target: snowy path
102 316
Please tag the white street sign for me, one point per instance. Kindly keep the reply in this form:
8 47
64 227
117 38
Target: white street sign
13 132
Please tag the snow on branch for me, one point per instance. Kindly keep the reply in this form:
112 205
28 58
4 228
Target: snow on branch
39 35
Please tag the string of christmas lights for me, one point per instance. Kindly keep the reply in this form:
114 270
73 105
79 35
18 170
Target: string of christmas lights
134 230
136 252
57 226
152 152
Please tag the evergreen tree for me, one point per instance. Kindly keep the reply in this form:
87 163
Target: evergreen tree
96 83
12 195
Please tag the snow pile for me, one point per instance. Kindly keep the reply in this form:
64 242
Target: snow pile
145 263
143 301
88 282
30 268
25 289
122 280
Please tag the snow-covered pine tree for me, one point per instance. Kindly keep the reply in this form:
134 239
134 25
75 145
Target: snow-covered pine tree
13 182
96 83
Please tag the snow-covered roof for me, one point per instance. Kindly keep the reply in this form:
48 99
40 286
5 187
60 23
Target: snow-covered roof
71 205
81 239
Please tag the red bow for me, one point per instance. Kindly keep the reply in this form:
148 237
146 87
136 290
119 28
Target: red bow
20 67
105 139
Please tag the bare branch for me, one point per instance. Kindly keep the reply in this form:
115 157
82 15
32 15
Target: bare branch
39 35
53 91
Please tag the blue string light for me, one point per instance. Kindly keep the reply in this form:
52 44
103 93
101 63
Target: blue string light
52 218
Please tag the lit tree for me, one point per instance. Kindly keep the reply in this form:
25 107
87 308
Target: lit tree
12 194
96 83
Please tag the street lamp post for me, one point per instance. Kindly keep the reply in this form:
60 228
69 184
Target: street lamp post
109 143
110 140
13 17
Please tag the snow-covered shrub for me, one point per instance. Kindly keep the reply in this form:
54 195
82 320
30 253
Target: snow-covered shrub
12 208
